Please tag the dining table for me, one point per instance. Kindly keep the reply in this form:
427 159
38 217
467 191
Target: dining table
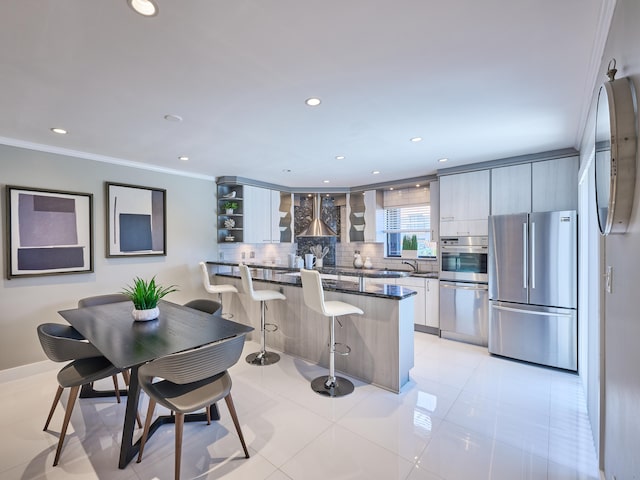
128 344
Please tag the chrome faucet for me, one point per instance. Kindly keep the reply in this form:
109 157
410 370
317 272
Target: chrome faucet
413 265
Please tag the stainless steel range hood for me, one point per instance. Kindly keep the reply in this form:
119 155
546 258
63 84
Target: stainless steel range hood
317 228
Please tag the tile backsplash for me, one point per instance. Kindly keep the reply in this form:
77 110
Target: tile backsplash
276 253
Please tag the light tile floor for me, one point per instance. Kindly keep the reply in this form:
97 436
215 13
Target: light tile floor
464 415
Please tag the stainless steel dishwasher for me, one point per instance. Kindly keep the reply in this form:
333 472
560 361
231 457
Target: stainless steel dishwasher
464 311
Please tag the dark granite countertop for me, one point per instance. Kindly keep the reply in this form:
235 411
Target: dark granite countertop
291 277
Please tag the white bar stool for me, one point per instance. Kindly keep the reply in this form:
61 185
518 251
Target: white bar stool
328 385
262 357
219 289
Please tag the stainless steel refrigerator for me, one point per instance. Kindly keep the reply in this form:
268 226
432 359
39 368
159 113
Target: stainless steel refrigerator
533 288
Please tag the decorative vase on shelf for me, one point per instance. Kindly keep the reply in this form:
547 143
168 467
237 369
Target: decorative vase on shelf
367 263
145 315
357 260
229 211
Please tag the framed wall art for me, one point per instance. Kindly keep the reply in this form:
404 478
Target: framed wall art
136 221
48 232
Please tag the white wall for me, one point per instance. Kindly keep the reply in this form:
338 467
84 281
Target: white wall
621 323
27 302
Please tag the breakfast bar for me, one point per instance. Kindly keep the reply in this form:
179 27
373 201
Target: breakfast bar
381 340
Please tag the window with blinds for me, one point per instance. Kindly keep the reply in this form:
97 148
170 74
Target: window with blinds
408 220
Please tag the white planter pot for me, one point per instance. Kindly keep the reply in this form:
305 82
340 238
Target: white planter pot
145 315
229 211
409 254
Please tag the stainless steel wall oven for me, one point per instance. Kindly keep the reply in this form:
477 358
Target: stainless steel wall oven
464 259
464 299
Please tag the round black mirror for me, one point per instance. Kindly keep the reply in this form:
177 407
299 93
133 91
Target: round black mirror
615 154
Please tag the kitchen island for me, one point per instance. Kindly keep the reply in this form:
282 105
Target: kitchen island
381 340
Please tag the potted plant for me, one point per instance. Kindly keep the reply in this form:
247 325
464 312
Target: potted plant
230 207
410 246
145 296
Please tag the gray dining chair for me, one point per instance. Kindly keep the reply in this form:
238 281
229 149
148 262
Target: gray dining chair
102 300
189 381
94 301
62 343
205 305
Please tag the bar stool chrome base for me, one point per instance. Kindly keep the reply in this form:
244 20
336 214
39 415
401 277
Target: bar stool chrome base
262 358
337 388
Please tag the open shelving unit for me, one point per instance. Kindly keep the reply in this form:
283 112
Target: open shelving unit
230 225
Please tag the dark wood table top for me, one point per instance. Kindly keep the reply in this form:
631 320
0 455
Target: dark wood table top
127 343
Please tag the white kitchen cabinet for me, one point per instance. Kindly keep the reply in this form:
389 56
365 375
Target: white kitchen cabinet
555 184
373 216
419 300
261 215
543 186
432 303
434 202
464 203
366 216
511 189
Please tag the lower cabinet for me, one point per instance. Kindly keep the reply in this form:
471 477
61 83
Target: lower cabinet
432 301
419 300
426 313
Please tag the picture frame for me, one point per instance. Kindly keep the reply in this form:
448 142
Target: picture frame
136 221
48 232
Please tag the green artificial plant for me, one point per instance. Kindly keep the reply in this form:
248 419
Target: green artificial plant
145 295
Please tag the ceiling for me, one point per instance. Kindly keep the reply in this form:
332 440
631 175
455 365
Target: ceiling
476 80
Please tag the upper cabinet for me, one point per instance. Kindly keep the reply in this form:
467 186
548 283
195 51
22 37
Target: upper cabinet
464 203
554 184
511 189
285 217
366 216
544 186
434 202
261 215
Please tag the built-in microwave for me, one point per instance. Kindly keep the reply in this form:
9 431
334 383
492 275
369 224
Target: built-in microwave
464 259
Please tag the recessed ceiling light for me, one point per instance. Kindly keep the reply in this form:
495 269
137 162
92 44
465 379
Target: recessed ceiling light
391 188
313 102
416 139
442 160
148 8
59 131
418 185
309 195
340 157
325 181
173 118
376 172
184 158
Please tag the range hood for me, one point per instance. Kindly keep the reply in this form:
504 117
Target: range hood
317 228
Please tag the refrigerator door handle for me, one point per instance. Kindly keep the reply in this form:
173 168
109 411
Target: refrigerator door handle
524 255
533 254
531 312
